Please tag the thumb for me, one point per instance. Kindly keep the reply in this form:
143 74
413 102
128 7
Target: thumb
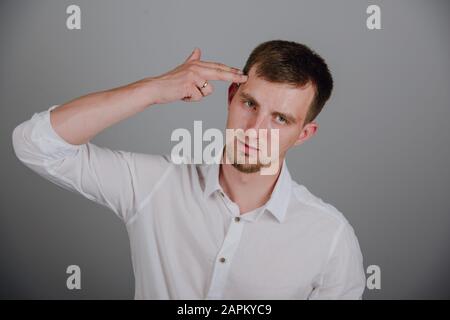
195 55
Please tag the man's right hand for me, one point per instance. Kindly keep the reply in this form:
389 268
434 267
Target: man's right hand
79 120
186 81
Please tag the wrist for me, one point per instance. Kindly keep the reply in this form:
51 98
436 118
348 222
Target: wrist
145 91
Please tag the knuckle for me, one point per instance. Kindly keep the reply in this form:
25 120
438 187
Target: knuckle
187 89
195 67
191 73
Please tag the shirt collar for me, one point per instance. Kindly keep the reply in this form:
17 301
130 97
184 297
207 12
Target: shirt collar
279 199
212 179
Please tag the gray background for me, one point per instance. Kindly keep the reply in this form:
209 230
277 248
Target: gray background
380 156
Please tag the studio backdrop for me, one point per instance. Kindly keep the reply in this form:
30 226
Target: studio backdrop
381 154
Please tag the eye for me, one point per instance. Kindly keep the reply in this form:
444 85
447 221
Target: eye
248 104
280 119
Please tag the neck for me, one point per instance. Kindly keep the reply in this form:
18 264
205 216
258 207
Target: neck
248 190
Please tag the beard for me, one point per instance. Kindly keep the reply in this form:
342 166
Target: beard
241 161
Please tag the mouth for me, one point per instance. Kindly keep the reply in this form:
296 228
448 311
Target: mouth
248 148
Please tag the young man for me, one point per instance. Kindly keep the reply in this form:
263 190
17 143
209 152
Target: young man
210 231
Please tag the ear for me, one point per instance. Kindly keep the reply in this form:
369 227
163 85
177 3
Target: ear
232 89
307 132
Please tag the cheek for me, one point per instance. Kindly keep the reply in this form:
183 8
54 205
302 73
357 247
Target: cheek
236 116
231 115
287 139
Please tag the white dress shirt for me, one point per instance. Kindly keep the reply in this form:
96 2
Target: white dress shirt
188 240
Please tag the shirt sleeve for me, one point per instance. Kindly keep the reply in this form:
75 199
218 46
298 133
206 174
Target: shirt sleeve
343 276
118 180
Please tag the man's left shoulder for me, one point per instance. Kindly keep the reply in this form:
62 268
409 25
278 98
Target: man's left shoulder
306 203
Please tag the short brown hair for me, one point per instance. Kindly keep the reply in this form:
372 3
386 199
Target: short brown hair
293 63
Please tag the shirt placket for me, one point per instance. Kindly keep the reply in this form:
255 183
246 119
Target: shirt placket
225 255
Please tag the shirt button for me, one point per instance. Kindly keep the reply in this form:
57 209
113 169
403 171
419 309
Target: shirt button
237 219
222 260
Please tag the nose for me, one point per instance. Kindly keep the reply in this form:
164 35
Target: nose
258 121
258 128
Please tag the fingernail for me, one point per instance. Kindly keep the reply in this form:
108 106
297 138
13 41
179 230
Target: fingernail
240 72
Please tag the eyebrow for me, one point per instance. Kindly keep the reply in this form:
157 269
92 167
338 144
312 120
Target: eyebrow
247 96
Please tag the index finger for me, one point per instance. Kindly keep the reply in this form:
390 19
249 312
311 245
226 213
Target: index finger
221 74
218 65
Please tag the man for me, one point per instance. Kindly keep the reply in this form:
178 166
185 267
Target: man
210 231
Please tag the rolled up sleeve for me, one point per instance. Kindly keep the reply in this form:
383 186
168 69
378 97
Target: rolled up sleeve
113 178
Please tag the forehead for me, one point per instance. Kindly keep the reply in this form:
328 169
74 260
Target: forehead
277 96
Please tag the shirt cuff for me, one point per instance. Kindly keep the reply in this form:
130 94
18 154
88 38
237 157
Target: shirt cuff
47 139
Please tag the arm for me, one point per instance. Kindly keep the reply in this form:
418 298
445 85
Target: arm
55 143
81 119
116 179
343 276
